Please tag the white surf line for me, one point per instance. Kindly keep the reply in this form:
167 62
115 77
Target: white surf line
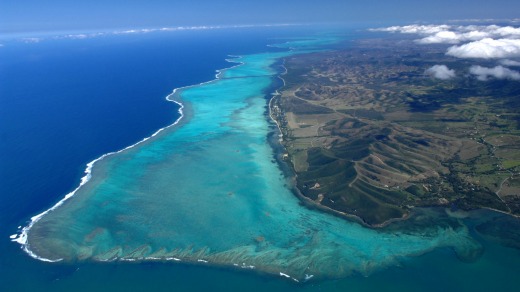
21 237
288 277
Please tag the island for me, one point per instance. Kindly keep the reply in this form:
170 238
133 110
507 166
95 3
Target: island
371 135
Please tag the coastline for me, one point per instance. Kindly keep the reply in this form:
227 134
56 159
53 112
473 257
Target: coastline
308 203
21 237
252 253
430 270
185 112
313 205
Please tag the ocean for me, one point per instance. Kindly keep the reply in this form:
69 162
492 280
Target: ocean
65 102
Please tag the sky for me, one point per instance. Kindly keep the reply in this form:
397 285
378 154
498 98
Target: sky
49 15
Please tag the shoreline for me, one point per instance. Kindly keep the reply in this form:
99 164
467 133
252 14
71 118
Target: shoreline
186 113
21 236
308 203
313 205
202 258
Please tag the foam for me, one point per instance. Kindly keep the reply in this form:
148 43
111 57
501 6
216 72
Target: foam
288 277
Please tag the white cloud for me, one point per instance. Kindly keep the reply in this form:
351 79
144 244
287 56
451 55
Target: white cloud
440 72
485 20
450 37
31 40
414 29
471 41
148 30
487 49
441 37
77 36
475 35
498 72
506 31
510 63
446 34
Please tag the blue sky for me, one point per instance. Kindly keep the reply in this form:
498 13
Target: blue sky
39 15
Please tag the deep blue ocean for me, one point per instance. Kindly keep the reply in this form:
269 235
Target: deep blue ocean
65 102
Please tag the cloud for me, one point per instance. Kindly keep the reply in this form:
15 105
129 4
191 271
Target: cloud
149 30
441 37
510 63
450 37
498 72
485 20
414 29
506 31
440 72
474 35
487 49
77 36
31 40
471 42
448 34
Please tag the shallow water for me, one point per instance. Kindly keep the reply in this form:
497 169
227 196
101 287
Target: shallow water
208 191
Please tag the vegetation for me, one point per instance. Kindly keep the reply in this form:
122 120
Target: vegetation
369 134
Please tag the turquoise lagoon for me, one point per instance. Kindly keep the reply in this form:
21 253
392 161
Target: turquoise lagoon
209 191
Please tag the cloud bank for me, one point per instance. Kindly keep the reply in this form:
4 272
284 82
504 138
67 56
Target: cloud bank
470 41
487 49
498 72
78 36
440 72
179 28
510 63
449 34
489 42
